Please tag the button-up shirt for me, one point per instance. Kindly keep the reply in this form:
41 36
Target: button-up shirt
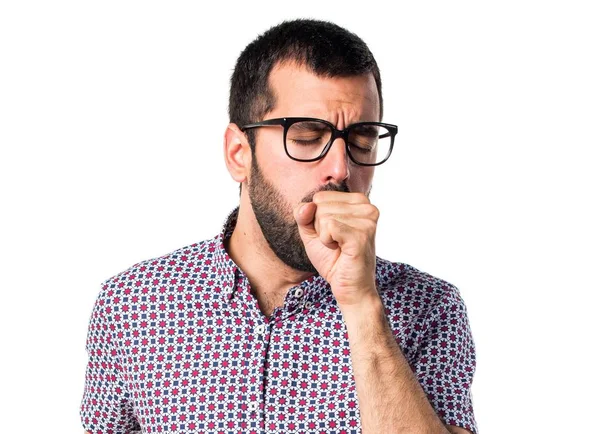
178 343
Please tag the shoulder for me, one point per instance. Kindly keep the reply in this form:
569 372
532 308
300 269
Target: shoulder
149 275
415 301
398 281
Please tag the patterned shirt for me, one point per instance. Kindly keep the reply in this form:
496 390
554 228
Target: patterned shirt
178 344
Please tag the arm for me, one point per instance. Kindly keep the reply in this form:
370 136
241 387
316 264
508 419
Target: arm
390 398
338 232
106 403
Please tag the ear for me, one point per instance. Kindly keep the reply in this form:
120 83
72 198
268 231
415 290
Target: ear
238 157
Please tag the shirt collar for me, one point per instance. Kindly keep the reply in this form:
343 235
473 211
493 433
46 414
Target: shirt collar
226 269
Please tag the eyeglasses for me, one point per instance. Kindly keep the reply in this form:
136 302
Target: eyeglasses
309 139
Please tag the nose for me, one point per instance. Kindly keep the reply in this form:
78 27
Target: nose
336 164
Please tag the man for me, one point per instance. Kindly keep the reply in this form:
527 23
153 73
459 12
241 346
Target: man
287 321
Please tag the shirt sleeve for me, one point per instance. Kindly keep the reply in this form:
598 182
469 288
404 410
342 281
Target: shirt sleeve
445 362
106 407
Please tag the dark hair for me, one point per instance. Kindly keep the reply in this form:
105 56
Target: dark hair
324 48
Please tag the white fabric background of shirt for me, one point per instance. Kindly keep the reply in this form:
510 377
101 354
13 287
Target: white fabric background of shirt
108 110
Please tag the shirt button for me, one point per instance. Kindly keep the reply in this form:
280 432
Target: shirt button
307 305
260 329
298 292
253 406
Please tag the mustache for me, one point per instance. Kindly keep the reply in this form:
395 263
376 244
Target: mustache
342 188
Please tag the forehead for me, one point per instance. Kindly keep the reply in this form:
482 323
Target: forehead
300 92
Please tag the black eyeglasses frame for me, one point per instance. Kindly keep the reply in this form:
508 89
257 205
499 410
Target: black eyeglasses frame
335 134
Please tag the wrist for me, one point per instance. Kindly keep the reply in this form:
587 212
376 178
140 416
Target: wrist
367 311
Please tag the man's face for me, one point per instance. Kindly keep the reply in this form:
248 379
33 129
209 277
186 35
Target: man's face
277 183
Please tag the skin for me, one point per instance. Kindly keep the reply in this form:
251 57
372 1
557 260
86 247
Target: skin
337 230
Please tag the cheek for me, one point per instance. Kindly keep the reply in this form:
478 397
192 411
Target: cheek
286 179
274 165
295 183
294 186
360 179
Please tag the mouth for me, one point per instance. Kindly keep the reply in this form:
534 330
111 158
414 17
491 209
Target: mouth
342 188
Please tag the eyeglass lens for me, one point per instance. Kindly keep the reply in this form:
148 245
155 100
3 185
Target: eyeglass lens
368 144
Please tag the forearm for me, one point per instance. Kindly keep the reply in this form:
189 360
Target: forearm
390 398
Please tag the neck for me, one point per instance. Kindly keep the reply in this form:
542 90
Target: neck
269 277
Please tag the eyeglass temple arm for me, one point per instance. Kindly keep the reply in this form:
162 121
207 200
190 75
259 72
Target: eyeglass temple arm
262 124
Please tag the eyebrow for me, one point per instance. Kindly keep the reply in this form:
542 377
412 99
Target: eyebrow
311 125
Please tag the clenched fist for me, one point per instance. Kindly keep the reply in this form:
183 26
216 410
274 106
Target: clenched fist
338 232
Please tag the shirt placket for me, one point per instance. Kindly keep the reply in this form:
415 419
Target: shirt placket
277 325
258 340
263 331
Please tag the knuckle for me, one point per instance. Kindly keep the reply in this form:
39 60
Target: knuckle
370 211
360 197
317 197
375 212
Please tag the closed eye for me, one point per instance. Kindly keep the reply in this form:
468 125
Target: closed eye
363 149
307 142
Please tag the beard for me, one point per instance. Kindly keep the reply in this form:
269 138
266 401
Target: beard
275 216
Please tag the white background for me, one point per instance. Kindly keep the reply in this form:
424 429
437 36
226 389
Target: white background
111 123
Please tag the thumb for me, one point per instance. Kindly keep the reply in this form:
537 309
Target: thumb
304 215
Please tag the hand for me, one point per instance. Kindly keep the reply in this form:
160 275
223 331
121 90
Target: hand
338 232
